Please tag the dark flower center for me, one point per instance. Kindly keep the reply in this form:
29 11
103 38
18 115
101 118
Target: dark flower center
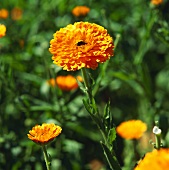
81 43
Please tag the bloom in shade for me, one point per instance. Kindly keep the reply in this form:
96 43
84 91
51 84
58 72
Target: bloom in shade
4 13
155 160
67 83
79 11
2 30
156 2
16 13
81 45
44 134
132 129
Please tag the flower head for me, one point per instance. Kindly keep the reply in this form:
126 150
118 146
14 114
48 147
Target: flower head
155 160
79 11
67 83
132 129
2 30
156 2
4 13
44 134
16 13
81 45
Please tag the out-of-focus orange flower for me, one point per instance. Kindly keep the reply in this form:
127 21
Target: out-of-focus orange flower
96 165
81 45
132 129
155 160
80 11
4 13
21 43
52 82
16 13
2 30
67 83
42 135
156 2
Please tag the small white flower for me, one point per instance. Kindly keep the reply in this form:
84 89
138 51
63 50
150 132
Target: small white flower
156 130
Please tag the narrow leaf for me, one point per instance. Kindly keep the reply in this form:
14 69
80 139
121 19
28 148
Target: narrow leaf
112 160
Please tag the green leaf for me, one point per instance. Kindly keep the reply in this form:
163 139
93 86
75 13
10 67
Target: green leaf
87 106
111 135
112 160
107 111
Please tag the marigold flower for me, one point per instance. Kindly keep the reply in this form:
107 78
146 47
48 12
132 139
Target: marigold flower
155 160
4 13
16 13
80 11
44 134
156 2
81 45
2 30
67 83
132 129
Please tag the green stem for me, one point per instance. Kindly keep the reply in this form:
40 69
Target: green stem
143 45
87 85
46 157
158 141
110 155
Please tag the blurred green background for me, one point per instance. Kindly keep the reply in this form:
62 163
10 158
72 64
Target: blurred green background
136 82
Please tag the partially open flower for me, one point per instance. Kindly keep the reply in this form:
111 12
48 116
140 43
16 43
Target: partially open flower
156 2
81 45
42 135
2 30
79 11
155 160
4 13
132 129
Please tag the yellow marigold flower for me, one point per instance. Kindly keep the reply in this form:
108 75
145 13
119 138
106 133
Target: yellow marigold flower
44 134
81 45
16 13
4 13
156 2
155 160
67 83
2 30
132 129
80 11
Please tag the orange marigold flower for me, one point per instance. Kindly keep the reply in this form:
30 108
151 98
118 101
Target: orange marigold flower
80 11
4 13
16 13
155 160
2 30
44 134
132 129
67 83
156 2
81 45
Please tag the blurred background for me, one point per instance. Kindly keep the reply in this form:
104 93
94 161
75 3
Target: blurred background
136 81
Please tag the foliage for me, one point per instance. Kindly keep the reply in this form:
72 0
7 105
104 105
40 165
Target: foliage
133 84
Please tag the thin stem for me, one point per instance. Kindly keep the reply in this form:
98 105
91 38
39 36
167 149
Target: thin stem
142 48
158 141
46 157
87 84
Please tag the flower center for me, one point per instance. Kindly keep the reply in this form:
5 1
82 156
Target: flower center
81 43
